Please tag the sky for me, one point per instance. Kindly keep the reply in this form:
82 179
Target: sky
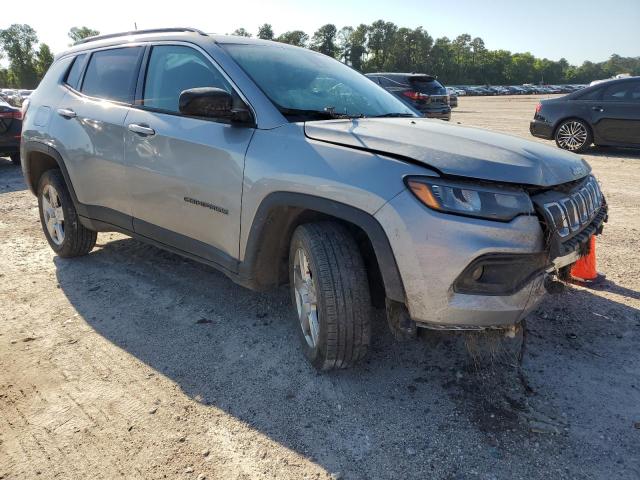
577 30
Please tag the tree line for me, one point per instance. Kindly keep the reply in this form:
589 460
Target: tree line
383 46
29 59
380 46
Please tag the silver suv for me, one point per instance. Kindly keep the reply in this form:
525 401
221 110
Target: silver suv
277 165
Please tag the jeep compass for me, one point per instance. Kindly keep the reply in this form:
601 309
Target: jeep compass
279 165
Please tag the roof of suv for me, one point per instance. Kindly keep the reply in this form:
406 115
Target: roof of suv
162 34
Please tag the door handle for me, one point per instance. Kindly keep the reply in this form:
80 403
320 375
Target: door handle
143 130
67 113
597 109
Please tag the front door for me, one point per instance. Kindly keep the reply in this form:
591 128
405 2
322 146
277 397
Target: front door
617 116
185 173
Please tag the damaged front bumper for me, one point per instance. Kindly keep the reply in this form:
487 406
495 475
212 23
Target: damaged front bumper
471 274
433 250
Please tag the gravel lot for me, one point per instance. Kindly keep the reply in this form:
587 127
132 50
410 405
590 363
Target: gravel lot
135 363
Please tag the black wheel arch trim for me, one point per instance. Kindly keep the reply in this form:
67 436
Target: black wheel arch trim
260 248
35 146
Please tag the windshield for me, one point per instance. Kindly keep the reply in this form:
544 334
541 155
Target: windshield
307 85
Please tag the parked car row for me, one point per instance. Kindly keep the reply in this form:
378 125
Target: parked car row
13 96
527 89
427 95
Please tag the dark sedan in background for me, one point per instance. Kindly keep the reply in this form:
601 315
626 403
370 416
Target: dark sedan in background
421 92
607 113
10 131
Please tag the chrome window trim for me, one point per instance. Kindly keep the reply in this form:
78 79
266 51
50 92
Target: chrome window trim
151 43
90 53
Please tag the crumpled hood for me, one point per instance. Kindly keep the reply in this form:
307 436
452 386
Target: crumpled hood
455 150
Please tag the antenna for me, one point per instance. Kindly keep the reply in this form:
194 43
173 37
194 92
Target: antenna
135 26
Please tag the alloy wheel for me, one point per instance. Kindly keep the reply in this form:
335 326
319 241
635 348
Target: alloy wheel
53 214
572 135
306 299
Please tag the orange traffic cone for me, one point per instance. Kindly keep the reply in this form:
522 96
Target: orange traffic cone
584 270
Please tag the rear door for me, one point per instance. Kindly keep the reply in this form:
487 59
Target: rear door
186 172
617 116
89 129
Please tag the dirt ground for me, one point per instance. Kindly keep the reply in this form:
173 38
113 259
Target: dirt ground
135 363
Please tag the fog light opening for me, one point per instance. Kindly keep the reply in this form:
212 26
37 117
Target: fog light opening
477 273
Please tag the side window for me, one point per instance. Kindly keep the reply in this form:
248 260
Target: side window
111 74
591 95
634 94
617 92
73 75
374 79
173 69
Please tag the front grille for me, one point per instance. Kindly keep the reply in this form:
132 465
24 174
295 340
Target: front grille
571 213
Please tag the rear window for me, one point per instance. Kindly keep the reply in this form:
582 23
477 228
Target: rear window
73 75
622 92
111 74
427 86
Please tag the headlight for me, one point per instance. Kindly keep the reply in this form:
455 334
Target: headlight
472 200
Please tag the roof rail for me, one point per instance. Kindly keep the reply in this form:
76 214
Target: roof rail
139 32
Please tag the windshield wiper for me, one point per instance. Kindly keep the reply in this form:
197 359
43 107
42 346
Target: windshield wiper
326 114
394 115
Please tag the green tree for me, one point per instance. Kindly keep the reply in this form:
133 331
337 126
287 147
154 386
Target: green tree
18 43
324 40
343 42
410 51
461 49
478 60
241 32
495 66
5 82
440 60
358 45
548 71
295 37
44 59
79 33
521 69
380 43
265 32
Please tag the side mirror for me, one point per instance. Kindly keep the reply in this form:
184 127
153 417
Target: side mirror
211 102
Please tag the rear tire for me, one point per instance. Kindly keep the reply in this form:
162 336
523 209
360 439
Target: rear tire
330 292
573 135
60 223
15 158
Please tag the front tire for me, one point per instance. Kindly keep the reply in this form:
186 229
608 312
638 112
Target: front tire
62 228
573 135
330 292
15 158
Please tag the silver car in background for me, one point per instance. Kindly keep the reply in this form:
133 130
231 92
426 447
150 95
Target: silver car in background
279 165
